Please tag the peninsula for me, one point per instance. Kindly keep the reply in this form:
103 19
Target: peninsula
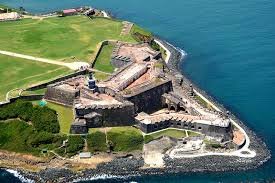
84 94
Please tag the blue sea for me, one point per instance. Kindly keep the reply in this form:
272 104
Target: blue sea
231 55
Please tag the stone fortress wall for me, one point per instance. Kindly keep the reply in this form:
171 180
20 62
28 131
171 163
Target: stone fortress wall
148 98
107 116
56 93
185 122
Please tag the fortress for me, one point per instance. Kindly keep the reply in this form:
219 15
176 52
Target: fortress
137 93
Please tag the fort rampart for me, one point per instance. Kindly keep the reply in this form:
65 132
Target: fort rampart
149 97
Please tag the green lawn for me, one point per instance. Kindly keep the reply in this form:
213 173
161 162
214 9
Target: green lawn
21 73
125 138
65 116
103 61
34 92
193 134
97 141
100 76
61 38
168 132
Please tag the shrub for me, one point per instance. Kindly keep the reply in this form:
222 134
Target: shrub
75 144
97 141
24 110
39 138
155 46
42 118
45 119
14 136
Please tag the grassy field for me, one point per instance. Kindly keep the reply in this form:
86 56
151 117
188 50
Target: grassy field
21 73
60 38
102 62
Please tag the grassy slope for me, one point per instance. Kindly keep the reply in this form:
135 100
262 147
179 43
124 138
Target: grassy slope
59 38
169 132
65 116
13 136
102 62
125 138
21 73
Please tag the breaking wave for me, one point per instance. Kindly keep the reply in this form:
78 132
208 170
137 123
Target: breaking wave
19 176
182 52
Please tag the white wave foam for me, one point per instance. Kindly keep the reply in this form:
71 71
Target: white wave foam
19 176
183 53
104 177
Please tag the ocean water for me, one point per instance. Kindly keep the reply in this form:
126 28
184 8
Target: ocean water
231 55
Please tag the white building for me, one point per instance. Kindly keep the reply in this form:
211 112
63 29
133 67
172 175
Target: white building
9 16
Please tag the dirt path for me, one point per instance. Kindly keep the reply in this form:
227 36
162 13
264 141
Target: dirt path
73 65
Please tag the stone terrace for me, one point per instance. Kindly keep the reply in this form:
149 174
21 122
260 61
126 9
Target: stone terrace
136 52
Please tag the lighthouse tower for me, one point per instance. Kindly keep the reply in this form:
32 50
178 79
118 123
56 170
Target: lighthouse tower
91 83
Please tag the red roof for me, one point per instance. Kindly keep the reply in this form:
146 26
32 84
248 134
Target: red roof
69 11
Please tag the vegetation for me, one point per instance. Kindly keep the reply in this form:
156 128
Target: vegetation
103 61
34 92
167 132
140 30
125 139
65 116
21 73
97 141
203 102
101 76
159 65
42 118
5 9
212 144
75 145
45 119
35 37
192 133
18 136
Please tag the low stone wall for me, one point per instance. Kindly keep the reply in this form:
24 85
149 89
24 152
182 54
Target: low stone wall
103 43
44 85
27 97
